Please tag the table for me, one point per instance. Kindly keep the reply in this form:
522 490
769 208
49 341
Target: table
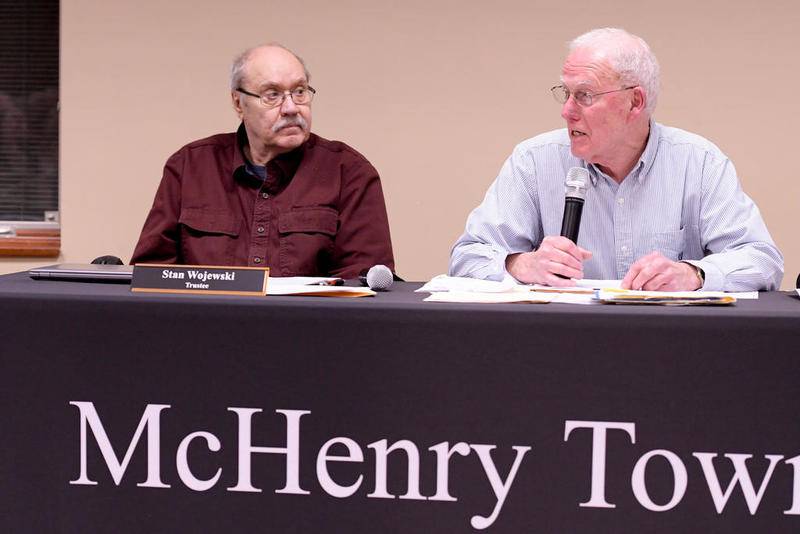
181 413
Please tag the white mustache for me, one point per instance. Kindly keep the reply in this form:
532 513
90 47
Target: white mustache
287 122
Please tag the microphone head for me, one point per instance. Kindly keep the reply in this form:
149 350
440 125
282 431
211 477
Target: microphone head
577 177
379 277
107 260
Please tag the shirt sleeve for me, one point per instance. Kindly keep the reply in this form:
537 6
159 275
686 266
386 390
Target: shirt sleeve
506 222
159 240
741 255
362 238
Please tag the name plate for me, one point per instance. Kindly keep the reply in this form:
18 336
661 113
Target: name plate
199 279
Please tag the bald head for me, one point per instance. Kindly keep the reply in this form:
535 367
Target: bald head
272 130
266 52
627 55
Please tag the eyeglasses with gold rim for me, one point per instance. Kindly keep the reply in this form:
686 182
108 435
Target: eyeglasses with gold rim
583 98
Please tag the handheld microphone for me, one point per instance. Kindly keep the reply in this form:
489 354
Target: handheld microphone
573 202
379 278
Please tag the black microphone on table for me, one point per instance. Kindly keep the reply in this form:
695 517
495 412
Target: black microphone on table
378 278
575 184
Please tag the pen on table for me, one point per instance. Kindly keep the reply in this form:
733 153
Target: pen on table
329 282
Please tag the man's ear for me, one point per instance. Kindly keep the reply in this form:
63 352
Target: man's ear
638 100
237 103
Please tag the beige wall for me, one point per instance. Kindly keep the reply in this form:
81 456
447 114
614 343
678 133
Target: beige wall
435 94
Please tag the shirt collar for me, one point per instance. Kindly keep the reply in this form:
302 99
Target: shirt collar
280 169
649 155
646 160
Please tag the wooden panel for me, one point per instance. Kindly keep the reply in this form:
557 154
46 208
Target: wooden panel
40 243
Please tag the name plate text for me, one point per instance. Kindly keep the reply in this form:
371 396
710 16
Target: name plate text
199 279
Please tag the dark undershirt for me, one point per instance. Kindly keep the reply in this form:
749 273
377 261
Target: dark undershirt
258 171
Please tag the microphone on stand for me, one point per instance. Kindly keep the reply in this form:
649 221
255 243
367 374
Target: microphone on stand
573 202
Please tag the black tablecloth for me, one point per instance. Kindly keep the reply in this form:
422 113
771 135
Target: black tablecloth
393 370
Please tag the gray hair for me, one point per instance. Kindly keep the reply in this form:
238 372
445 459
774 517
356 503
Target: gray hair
240 63
629 56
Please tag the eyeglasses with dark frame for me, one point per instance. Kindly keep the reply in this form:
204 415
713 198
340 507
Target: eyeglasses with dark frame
583 98
272 98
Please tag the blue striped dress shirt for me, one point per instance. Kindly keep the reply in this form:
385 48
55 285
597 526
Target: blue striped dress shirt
682 199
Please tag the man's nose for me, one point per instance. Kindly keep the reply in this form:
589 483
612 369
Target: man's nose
288 107
570 109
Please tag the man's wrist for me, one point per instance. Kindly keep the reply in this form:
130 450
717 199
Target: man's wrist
699 273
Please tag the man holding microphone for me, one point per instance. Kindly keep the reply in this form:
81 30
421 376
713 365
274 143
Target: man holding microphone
663 210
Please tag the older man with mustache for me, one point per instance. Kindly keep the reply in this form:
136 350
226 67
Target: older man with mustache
273 193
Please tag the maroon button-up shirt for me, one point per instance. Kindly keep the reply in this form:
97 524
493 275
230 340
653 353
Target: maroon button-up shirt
319 212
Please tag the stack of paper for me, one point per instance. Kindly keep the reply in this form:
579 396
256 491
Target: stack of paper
668 298
445 288
444 283
490 298
582 287
312 286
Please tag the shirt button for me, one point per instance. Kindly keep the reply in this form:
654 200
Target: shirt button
260 229
620 201
623 248
264 195
257 260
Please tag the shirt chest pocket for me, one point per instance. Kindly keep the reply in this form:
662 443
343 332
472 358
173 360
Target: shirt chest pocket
306 240
208 237
671 244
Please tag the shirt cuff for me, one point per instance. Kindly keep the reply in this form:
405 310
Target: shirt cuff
481 261
714 278
507 275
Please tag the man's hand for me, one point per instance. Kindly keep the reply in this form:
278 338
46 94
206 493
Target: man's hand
655 272
555 256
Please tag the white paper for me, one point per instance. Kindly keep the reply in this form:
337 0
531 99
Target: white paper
584 287
745 295
300 280
313 290
574 298
489 298
598 284
460 283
